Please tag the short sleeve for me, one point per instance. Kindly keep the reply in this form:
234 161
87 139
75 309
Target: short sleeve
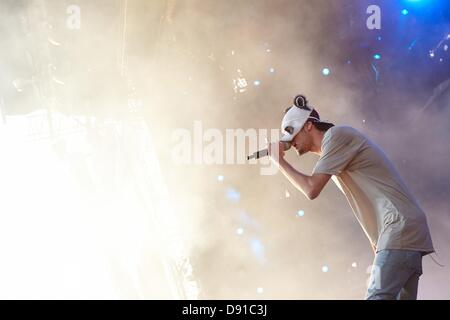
339 148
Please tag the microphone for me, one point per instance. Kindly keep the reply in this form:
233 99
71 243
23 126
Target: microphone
258 154
265 152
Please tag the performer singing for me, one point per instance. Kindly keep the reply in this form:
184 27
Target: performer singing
386 210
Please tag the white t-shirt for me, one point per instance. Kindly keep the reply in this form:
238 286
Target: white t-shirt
383 205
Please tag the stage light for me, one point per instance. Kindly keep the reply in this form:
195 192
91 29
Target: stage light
301 213
56 80
258 250
326 71
260 290
47 214
272 70
220 178
405 12
354 264
377 56
325 269
240 231
233 195
256 82
54 42
22 84
417 3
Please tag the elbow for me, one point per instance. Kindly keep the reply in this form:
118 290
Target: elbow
313 194
316 185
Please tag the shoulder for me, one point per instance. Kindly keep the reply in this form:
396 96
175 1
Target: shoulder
344 131
343 135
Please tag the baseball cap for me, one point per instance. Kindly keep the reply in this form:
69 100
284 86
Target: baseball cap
295 118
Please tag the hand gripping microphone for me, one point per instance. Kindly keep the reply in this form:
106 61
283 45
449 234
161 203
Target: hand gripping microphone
265 152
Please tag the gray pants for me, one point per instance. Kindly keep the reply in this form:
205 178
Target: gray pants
395 275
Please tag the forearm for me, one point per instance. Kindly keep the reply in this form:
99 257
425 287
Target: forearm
302 182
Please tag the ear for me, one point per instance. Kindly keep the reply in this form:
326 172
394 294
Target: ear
309 126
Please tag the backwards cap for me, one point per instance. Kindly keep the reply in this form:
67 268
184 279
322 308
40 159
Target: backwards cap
295 118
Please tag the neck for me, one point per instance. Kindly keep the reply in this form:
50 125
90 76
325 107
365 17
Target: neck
317 142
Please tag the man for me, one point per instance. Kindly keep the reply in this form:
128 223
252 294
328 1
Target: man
386 210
